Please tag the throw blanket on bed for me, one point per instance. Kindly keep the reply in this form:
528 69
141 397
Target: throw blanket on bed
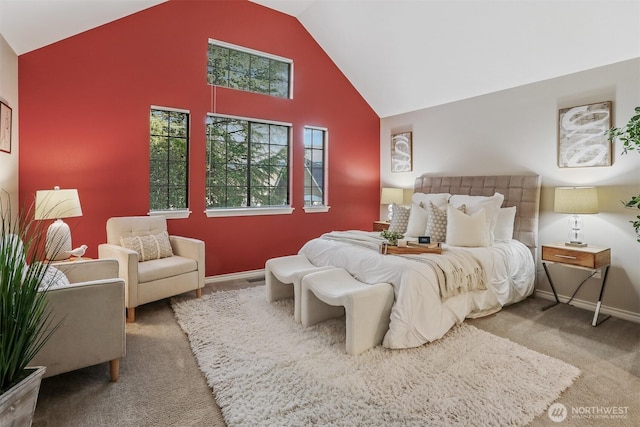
357 237
457 272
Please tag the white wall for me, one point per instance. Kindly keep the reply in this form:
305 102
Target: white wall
515 131
9 95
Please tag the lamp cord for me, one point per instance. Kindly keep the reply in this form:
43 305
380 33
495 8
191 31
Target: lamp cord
580 285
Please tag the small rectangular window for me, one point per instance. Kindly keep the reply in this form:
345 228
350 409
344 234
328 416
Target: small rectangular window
315 142
246 69
247 163
168 159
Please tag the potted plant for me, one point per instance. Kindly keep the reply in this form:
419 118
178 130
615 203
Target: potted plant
629 135
25 321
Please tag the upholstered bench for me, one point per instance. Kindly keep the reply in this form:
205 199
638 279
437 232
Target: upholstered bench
332 293
283 276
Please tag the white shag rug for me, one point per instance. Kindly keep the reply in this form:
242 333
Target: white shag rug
267 370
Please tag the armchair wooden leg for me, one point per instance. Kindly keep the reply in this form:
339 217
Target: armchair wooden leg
114 367
131 314
198 292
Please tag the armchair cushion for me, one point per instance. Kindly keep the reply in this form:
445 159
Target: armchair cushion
166 267
148 247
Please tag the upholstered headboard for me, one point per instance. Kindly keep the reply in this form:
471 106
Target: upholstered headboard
521 191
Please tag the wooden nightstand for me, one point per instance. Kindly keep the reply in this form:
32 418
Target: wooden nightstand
590 258
381 225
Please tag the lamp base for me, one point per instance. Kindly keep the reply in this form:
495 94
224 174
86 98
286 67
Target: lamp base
58 242
576 244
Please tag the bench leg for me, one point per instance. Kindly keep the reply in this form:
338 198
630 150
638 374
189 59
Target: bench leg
276 290
313 310
368 313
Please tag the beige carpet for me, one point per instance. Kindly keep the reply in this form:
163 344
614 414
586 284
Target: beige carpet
267 370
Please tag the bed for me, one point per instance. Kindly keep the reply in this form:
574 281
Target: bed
427 301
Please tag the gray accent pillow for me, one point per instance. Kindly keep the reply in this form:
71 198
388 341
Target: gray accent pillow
400 219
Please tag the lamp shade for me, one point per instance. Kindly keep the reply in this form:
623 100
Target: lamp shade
392 195
57 203
576 200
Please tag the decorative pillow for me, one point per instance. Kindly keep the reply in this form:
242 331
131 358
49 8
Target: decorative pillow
475 203
417 221
400 219
504 225
53 278
437 222
438 199
153 246
467 230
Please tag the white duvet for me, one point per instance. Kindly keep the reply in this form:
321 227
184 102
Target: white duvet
419 314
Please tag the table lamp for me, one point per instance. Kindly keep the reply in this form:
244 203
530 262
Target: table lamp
57 204
391 196
575 201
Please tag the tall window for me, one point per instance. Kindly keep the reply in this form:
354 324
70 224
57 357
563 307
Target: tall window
314 166
247 163
246 69
169 159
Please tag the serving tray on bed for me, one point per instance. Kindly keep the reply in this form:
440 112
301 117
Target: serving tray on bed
412 248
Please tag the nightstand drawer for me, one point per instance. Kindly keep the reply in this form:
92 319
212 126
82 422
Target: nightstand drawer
380 225
589 257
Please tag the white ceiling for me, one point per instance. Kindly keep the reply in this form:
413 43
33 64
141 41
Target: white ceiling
404 55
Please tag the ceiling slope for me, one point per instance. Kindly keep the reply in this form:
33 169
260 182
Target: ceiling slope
404 55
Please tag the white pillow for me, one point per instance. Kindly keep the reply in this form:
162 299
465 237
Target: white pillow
438 199
417 221
437 222
504 225
53 278
475 203
467 230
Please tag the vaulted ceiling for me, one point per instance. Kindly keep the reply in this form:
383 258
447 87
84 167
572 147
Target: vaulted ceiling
404 55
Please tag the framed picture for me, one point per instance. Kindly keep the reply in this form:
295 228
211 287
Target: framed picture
401 157
5 127
583 139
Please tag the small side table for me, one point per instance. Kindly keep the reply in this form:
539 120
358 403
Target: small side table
590 258
381 225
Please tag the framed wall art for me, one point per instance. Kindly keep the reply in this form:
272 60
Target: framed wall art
583 138
401 152
5 127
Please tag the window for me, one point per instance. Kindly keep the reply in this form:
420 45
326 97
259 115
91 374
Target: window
247 163
315 142
246 69
169 159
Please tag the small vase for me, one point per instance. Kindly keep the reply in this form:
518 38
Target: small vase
18 404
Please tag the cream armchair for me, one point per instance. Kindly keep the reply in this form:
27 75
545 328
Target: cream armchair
133 239
91 315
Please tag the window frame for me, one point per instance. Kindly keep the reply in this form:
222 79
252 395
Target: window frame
256 211
178 212
325 184
255 52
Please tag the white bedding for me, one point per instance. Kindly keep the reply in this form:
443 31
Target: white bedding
419 314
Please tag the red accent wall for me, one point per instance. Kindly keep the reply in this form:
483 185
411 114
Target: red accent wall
84 123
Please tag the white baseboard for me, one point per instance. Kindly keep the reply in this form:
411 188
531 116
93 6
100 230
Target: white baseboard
243 275
587 305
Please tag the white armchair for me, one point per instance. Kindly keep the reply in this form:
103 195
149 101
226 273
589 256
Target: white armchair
91 315
150 268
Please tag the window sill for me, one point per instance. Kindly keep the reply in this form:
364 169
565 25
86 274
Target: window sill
316 209
214 213
172 214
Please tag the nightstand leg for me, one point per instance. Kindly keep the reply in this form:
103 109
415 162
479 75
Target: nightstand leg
553 304
595 321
